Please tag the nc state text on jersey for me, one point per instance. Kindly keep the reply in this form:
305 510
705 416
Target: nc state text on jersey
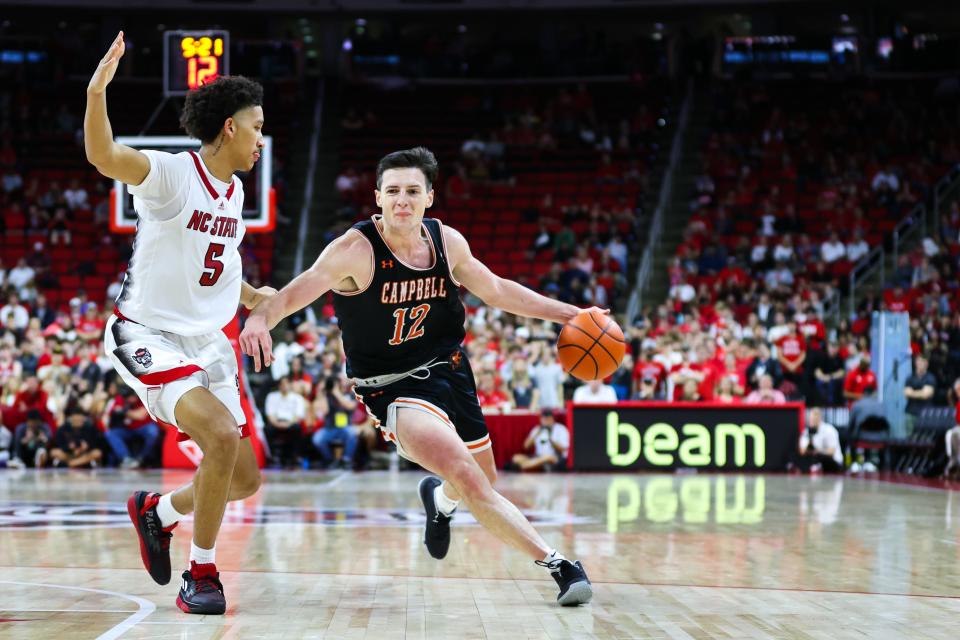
221 226
413 290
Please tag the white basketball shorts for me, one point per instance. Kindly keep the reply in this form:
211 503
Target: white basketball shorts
161 367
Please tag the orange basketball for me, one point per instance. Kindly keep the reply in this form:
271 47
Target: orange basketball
591 346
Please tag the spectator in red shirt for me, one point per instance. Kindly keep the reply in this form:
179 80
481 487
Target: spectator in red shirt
30 396
733 372
792 353
649 372
90 325
813 331
688 371
127 420
953 396
726 392
492 398
300 381
860 380
896 299
952 471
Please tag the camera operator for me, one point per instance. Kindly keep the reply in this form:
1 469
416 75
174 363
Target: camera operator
550 442
819 446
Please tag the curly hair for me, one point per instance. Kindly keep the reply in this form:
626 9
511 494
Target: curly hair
207 107
416 158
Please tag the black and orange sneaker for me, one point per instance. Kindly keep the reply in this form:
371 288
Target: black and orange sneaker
154 539
202 591
575 587
436 535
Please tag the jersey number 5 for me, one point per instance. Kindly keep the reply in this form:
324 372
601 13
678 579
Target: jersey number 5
209 278
417 314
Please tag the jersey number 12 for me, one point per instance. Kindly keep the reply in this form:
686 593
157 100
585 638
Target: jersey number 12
417 314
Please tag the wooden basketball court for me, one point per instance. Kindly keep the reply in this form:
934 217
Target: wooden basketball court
340 556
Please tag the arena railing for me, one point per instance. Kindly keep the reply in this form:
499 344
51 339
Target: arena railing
865 268
832 304
919 220
308 187
634 305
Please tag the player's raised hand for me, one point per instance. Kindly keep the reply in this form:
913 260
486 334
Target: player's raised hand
107 67
255 341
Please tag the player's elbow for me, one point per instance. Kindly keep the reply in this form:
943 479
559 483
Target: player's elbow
100 158
94 157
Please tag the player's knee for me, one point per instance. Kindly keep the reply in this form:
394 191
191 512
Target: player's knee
491 474
469 480
247 484
222 440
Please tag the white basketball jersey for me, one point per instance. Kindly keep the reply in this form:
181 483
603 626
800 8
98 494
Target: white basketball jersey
185 273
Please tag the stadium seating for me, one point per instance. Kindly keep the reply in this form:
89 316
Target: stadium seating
500 216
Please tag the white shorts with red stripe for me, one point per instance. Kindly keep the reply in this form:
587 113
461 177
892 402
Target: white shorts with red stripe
161 367
389 428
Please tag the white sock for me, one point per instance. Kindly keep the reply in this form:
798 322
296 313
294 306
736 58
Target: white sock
552 556
444 504
167 512
202 556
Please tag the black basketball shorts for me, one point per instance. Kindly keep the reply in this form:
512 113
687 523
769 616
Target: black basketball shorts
449 393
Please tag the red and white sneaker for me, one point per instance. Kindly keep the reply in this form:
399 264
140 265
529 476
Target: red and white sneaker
154 539
202 591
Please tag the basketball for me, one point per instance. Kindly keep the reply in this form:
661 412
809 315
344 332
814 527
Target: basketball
591 346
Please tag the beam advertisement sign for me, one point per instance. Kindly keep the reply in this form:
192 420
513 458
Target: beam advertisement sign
641 436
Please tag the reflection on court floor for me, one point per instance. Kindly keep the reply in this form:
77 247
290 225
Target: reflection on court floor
340 555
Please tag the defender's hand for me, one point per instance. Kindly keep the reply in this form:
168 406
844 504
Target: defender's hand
107 67
255 341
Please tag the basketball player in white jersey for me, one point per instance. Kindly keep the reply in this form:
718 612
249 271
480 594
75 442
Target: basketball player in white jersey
183 284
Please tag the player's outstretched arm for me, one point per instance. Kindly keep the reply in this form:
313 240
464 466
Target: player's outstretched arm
251 296
500 292
113 160
349 256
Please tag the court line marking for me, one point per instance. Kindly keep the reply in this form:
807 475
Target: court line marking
943 488
340 478
145 607
610 582
66 610
469 578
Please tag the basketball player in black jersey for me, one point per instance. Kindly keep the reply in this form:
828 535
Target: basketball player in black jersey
395 280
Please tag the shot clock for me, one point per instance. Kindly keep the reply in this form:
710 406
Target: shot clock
193 58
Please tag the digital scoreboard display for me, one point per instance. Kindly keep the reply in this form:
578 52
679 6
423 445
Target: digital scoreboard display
191 59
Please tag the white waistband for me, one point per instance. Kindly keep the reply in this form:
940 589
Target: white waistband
390 378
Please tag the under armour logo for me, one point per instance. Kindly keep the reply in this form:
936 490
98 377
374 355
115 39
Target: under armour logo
386 264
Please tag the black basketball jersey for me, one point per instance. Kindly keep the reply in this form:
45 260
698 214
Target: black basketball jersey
406 316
